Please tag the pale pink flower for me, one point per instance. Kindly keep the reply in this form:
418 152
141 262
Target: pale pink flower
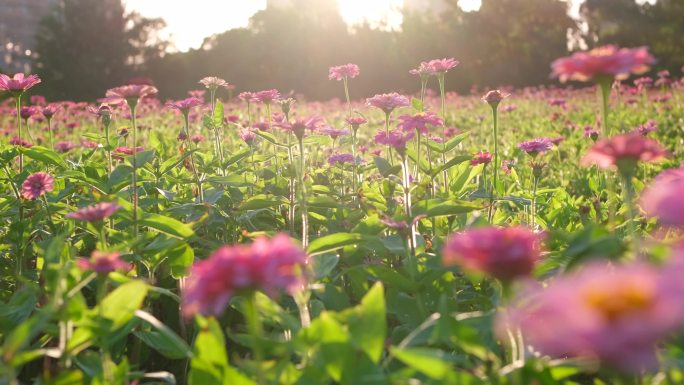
347 71
420 122
494 97
213 83
267 96
603 62
663 198
482 157
185 105
396 139
96 212
388 102
103 262
438 66
18 84
131 94
627 149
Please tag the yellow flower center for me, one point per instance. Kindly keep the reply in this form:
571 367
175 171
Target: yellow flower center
617 302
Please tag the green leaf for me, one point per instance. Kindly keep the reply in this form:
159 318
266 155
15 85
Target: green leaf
437 207
44 155
368 330
324 202
431 362
238 156
323 264
233 180
260 202
385 167
451 163
217 119
417 104
333 242
162 339
120 305
166 225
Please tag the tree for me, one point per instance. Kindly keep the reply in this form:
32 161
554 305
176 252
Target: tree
87 46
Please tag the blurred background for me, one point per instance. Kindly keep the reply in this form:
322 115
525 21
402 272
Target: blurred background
82 47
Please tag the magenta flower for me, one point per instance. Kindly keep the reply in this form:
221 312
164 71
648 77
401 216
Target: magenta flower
420 122
396 139
50 110
96 212
213 83
333 132
15 141
356 121
423 70
247 135
340 158
482 157
130 94
18 84
267 96
248 97
267 265
185 105
603 62
28 111
300 124
504 253
438 66
590 132
507 166
347 71
663 198
103 262
388 102
536 146
125 150
615 315
64 146
624 150
37 185
197 138
647 128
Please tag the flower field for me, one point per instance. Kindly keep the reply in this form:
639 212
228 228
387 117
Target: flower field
512 236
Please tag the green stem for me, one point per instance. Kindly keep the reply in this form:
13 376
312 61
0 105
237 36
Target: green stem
445 174
406 184
21 155
495 167
387 129
631 213
302 198
255 329
604 90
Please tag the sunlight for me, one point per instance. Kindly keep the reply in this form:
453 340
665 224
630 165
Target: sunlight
372 11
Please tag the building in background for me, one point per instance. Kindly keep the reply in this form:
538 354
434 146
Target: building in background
18 24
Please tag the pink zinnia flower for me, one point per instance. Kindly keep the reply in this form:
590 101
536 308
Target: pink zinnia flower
197 138
438 66
64 146
347 71
388 102
396 139
300 124
504 253
482 157
28 111
507 166
603 62
423 70
647 128
267 265
96 212
615 315
37 185
18 84
247 97
495 97
15 141
356 121
624 150
536 146
340 158
103 262
130 94
50 110
125 150
663 198
333 132
185 105
420 122
267 96
213 83
247 135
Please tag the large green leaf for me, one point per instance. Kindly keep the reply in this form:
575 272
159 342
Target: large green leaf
44 155
369 327
333 242
439 207
166 225
162 339
431 362
120 305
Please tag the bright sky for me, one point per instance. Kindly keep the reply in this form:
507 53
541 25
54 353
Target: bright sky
189 24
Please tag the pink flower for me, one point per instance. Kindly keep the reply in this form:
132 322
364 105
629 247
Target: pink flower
504 253
64 146
247 135
247 97
438 66
388 102
125 150
648 127
419 122
103 262
333 132
612 314
185 105
197 138
267 265
340 158
18 84
300 124
603 62
507 166
267 96
97 212
15 141
130 94
536 146
482 157
590 132
396 139
356 121
50 110
495 97
37 185
347 71
213 83
626 149
663 198
423 70
88 143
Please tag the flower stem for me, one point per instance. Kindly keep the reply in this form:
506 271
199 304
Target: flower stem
21 155
406 184
255 329
495 167
302 197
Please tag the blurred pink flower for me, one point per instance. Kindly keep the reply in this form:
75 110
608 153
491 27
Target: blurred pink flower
37 185
340 158
267 265
185 105
18 84
420 122
267 96
626 148
536 146
356 121
396 139
131 94
612 314
96 212
103 262
213 83
64 146
482 157
663 198
247 135
437 66
348 71
494 97
607 62
505 253
388 102
333 132
50 110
